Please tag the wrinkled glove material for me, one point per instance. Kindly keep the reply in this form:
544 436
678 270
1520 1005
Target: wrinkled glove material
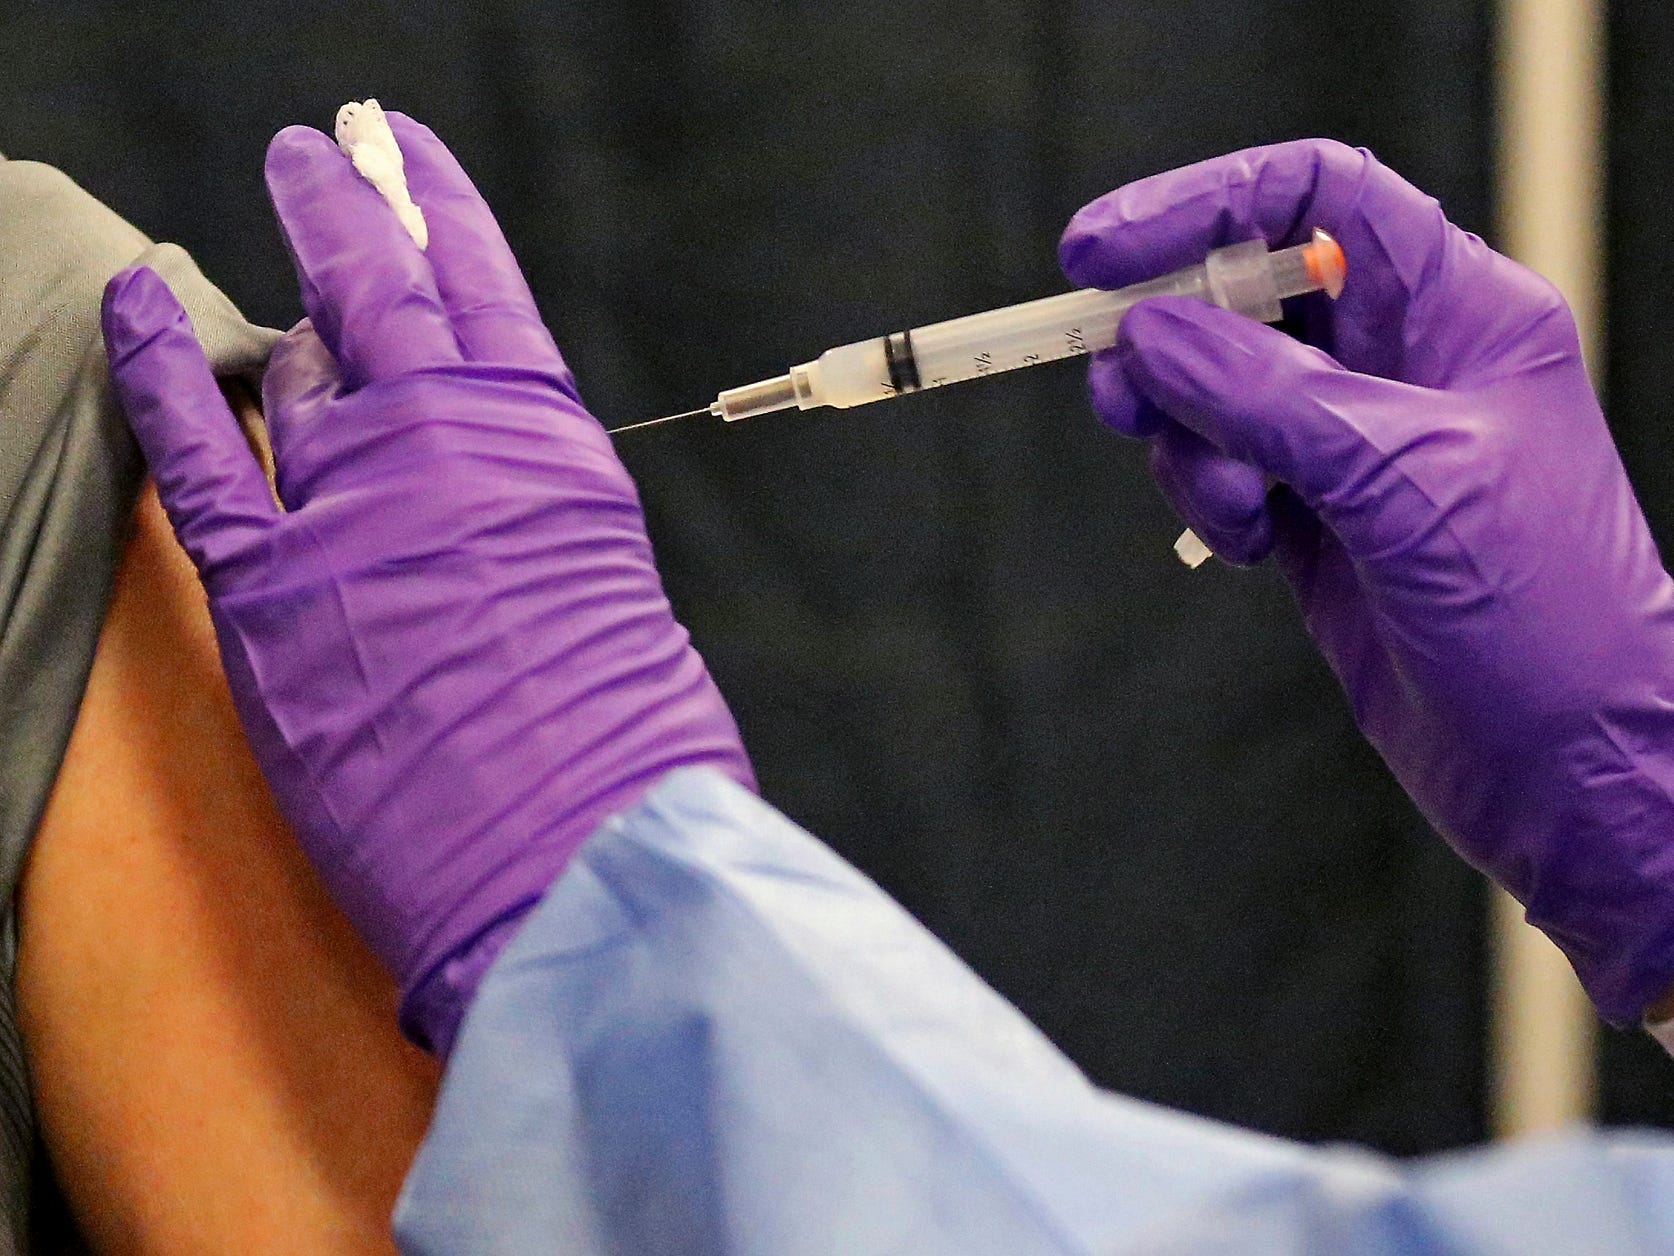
449 645
1436 479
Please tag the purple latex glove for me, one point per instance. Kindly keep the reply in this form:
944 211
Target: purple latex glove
1452 516
450 649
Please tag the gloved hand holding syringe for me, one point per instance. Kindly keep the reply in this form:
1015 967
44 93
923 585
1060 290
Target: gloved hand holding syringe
1246 278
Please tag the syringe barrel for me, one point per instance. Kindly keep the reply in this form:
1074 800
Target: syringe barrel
1063 326
1246 278
1036 331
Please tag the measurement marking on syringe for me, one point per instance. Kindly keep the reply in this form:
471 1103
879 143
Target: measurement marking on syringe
985 364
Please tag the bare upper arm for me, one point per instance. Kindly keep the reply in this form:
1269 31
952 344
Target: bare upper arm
214 1052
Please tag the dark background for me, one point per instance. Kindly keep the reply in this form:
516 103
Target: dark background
951 626
1636 1081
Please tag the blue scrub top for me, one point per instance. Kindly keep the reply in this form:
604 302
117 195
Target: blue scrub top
715 1036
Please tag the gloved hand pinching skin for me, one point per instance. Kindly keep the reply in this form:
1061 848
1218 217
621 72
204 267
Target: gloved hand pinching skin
1450 511
450 648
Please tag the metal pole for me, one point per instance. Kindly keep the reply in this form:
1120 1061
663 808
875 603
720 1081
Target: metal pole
1550 97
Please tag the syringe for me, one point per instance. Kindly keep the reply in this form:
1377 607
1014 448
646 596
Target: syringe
1244 277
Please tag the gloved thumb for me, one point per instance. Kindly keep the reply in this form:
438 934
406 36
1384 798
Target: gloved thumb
210 483
1284 408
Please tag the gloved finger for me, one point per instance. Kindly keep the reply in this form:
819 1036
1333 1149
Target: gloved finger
210 483
1282 407
1392 234
1117 403
1223 500
302 379
368 289
481 285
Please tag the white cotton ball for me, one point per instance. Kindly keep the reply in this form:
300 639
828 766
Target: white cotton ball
364 136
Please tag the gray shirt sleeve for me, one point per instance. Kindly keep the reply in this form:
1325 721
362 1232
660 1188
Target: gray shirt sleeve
69 476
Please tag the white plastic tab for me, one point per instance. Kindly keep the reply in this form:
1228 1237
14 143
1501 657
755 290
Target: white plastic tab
1191 550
